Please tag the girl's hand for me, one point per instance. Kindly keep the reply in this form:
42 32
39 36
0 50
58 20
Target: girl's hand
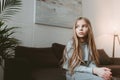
103 72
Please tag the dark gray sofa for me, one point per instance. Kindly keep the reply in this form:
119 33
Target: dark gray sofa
44 63
35 64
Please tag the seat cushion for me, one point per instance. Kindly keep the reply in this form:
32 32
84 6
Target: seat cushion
48 74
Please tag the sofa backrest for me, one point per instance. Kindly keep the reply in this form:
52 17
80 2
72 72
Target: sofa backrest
49 56
39 57
103 57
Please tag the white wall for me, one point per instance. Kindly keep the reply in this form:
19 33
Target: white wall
35 35
104 15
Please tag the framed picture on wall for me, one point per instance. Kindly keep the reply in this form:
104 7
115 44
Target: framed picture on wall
59 13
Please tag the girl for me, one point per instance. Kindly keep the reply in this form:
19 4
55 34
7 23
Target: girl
80 55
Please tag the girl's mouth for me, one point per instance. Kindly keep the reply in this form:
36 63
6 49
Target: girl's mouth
81 33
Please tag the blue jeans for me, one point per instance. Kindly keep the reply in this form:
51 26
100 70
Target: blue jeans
82 76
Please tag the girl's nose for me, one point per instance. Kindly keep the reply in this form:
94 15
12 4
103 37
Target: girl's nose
80 28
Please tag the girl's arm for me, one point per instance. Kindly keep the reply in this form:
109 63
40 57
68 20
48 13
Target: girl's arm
81 68
88 69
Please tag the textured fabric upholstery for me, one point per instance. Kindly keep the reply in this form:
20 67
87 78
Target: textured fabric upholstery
40 57
103 57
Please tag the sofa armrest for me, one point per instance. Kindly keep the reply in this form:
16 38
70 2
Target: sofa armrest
9 64
9 69
15 68
115 61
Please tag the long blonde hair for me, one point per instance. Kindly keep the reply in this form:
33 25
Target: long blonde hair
77 52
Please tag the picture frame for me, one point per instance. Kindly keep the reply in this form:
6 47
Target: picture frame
59 13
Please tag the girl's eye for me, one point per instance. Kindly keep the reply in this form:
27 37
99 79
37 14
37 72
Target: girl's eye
84 25
77 26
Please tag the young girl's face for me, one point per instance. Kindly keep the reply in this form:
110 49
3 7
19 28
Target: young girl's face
81 28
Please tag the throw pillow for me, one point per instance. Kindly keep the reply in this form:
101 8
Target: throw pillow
103 57
58 50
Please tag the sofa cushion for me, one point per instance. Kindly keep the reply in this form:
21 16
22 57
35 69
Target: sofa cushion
37 57
103 57
48 74
58 50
